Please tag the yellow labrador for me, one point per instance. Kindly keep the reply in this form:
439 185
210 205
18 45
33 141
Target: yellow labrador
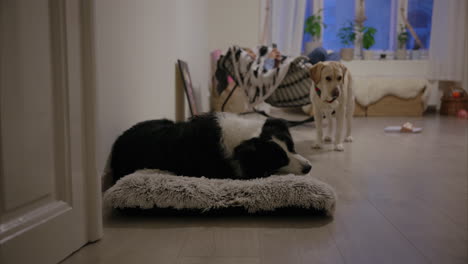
332 91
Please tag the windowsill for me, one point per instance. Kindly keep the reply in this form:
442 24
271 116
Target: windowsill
388 68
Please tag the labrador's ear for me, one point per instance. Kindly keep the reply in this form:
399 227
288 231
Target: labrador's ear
316 72
345 71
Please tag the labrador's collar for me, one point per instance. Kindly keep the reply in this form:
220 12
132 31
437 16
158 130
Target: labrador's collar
317 90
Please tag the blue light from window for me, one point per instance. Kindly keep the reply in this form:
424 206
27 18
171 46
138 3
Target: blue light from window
308 13
420 18
378 16
337 13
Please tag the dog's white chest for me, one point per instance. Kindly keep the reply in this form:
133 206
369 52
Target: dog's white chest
325 106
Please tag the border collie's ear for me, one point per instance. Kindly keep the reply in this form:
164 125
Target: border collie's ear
279 123
273 127
276 127
259 158
316 72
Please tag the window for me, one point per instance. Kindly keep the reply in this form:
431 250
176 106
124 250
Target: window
308 13
384 15
336 13
420 18
378 16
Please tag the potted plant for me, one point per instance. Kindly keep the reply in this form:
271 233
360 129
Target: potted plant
347 37
400 53
313 27
368 41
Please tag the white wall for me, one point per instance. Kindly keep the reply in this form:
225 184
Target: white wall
233 22
137 45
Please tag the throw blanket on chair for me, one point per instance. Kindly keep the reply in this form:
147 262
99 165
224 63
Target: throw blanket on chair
286 85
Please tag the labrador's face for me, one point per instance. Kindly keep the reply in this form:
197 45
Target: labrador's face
329 78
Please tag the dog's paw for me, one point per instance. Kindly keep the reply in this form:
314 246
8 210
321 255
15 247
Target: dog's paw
327 139
317 145
349 139
339 147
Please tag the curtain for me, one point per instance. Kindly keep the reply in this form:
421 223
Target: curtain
447 54
465 74
287 25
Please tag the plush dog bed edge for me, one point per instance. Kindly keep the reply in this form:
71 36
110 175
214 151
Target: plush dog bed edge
154 189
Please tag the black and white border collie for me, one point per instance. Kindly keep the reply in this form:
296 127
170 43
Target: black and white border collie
217 145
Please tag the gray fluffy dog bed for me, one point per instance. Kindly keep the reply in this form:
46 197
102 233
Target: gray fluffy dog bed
147 189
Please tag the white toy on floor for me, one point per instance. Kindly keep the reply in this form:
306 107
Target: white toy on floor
406 128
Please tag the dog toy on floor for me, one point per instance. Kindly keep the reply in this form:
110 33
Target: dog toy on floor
462 114
406 128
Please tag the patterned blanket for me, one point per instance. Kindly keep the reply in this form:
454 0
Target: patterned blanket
286 85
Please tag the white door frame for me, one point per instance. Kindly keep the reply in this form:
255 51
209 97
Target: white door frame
25 234
93 180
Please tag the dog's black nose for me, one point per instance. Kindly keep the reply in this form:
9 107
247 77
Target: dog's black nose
306 169
335 92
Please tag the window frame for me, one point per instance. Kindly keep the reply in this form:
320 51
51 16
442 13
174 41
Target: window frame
396 21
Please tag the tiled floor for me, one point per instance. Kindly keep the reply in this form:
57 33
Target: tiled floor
402 199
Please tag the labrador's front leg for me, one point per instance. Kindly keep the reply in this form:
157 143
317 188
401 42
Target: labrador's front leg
318 144
328 137
339 129
349 119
